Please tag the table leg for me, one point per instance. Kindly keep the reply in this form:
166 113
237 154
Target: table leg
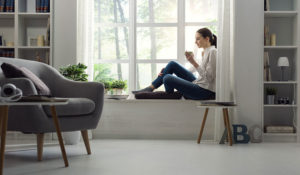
202 125
228 126
4 117
58 131
224 118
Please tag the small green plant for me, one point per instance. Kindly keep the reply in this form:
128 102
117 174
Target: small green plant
75 72
118 84
107 84
271 91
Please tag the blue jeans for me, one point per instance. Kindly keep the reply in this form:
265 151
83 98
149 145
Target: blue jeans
182 82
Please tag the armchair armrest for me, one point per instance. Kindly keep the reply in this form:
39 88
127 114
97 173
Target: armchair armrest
63 87
24 84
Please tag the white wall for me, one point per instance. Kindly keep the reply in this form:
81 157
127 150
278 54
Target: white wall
64 32
248 51
165 119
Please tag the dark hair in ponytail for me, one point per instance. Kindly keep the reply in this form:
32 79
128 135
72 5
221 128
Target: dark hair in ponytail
205 32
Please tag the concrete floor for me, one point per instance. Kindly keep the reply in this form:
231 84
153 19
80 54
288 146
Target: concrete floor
159 157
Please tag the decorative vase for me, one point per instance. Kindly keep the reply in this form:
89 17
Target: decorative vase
270 99
71 138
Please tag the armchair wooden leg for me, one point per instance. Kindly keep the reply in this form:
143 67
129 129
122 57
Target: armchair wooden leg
85 137
40 143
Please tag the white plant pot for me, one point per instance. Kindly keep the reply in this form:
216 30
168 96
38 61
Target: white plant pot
71 138
117 91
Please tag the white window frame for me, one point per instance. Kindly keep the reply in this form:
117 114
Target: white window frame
133 25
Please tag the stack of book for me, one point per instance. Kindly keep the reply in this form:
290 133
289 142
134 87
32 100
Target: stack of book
7 5
42 6
267 69
7 53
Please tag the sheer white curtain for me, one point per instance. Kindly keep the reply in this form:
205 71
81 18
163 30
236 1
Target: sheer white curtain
85 34
224 74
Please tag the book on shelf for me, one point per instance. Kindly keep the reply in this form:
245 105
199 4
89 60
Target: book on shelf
267 70
267 40
7 53
12 6
46 5
38 5
7 4
266 5
47 41
2 5
47 55
42 6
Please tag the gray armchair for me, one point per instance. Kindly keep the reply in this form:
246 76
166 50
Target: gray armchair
82 113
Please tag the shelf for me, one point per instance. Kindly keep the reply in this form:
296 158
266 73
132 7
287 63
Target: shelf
280 14
280 82
34 47
280 106
280 47
280 134
6 47
7 15
35 15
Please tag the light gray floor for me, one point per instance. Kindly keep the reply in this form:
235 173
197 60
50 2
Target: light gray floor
159 157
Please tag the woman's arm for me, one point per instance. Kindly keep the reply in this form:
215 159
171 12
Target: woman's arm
208 70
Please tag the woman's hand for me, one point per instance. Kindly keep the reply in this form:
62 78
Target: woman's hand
190 57
161 72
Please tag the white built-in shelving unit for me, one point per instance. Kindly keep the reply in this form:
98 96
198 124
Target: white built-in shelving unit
283 20
25 23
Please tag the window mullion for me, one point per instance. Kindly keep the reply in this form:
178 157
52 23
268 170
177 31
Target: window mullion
181 31
132 45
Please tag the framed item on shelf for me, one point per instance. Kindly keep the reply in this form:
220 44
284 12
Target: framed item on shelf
32 41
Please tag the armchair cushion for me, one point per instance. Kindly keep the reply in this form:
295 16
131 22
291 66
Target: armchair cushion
76 106
12 71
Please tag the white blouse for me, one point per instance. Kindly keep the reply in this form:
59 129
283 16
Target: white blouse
207 70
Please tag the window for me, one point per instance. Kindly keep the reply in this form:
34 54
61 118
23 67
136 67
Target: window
135 39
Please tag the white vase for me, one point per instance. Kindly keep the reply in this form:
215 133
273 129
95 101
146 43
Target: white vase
71 138
117 91
270 99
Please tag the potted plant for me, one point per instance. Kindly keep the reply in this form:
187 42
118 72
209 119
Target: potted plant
117 86
77 73
107 86
271 92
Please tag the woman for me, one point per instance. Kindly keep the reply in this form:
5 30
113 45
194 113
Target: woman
201 88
